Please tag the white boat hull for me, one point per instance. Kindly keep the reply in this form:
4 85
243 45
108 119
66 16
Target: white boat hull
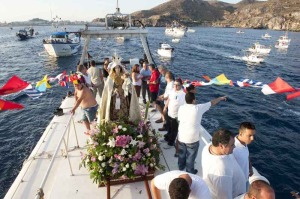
175 32
260 51
165 53
61 50
253 59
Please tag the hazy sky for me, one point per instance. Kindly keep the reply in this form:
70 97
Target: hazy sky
87 10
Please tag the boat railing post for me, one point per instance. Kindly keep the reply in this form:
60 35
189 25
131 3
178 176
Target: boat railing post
75 133
38 196
67 154
85 49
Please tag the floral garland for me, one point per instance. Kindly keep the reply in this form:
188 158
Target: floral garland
121 150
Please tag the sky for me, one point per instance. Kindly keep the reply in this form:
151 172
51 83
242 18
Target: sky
81 10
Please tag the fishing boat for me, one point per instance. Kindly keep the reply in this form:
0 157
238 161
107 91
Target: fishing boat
259 48
240 32
175 30
253 58
165 50
266 36
283 42
175 40
61 44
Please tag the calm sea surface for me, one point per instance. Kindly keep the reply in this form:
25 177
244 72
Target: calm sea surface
208 51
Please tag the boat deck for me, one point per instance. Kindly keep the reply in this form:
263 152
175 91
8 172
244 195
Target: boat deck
60 182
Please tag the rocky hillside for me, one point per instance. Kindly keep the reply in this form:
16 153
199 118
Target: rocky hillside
273 14
187 12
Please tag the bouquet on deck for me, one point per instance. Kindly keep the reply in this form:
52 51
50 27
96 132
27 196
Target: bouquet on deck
121 150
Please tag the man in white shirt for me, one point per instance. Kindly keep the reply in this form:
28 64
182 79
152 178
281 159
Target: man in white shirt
241 152
222 174
175 100
189 130
180 185
96 79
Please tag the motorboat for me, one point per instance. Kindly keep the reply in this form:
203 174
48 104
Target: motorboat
253 57
165 50
240 32
61 44
190 30
25 33
259 48
266 36
175 40
175 30
283 42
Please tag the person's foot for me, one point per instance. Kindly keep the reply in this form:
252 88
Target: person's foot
195 171
176 155
162 129
144 101
159 121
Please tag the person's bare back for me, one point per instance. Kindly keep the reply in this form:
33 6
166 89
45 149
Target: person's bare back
86 96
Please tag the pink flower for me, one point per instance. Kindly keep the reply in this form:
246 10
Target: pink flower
121 141
137 156
141 170
146 151
141 144
93 159
115 130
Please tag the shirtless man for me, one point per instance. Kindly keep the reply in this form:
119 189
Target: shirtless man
86 100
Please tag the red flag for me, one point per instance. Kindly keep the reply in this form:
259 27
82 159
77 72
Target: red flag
206 78
13 85
278 86
293 95
7 105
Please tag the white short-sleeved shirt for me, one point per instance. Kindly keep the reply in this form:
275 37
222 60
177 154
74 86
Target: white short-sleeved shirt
169 89
199 189
241 154
223 175
189 117
176 99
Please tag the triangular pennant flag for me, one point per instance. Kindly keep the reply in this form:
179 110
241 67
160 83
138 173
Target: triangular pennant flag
293 95
7 105
278 86
13 85
220 80
43 84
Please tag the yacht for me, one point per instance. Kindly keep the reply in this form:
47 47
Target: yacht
175 40
253 58
266 36
165 50
61 44
259 48
283 42
175 30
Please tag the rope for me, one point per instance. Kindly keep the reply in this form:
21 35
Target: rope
40 193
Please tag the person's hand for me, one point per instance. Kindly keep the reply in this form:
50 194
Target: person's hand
72 111
148 82
224 98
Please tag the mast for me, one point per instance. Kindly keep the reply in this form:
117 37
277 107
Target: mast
117 8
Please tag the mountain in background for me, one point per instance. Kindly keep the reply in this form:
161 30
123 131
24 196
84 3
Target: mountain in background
271 14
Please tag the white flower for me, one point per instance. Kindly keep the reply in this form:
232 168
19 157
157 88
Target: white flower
130 156
101 157
103 133
123 152
111 142
140 136
119 127
133 165
127 146
148 154
151 165
133 142
124 129
103 164
124 168
100 170
110 160
127 165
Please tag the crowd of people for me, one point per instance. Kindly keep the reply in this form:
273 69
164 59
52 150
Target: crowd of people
225 163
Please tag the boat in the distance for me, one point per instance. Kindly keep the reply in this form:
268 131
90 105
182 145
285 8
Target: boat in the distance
175 40
253 58
240 32
266 36
165 50
190 30
259 48
25 33
175 30
61 44
283 42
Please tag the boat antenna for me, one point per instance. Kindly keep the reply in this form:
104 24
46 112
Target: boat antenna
117 9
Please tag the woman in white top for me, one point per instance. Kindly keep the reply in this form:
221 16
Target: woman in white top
136 79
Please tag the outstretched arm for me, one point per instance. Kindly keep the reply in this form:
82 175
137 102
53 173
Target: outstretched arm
217 100
155 190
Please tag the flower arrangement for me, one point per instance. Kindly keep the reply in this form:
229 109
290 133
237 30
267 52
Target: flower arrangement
121 150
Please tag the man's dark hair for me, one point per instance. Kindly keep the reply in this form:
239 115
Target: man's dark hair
191 87
189 98
221 136
93 63
152 66
247 125
179 80
179 188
